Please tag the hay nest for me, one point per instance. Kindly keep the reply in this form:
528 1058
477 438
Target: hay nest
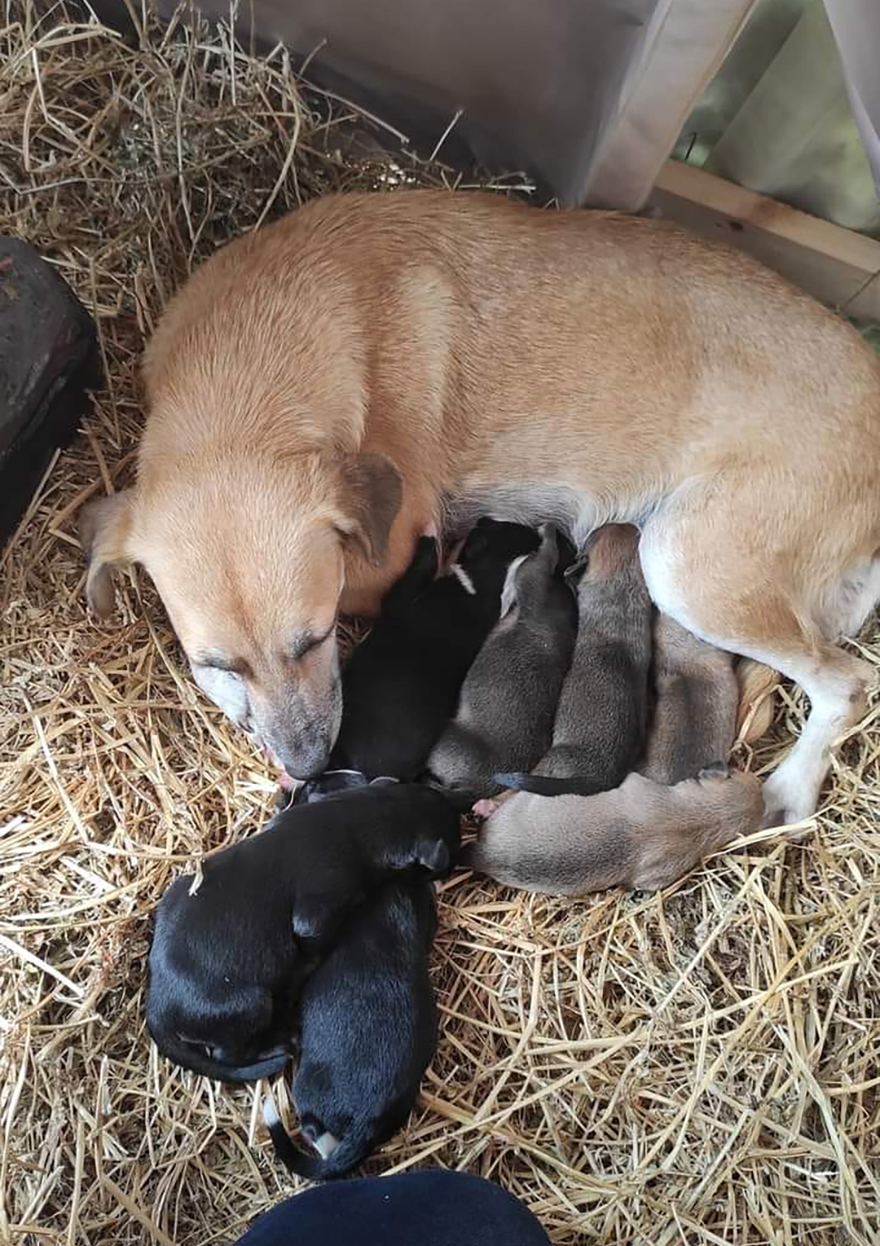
698 1066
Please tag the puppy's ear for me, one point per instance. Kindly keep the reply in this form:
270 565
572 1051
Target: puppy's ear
434 855
105 534
370 494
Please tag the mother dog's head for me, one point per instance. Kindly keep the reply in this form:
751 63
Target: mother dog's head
248 553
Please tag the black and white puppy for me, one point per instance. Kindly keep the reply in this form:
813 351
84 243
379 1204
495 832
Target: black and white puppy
401 684
507 706
601 719
231 950
367 1032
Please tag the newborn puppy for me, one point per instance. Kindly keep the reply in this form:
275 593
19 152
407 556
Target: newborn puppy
599 731
697 695
232 948
368 1029
508 701
401 684
642 835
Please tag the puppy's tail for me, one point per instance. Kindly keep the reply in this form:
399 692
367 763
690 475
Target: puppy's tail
546 785
313 1167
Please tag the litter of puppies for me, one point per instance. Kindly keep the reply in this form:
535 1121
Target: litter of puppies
297 942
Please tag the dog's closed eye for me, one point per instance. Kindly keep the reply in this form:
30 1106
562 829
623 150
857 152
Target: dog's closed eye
307 642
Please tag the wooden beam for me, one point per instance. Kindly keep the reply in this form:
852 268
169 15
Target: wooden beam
838 266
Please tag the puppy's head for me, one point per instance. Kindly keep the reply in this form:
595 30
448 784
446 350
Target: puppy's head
249 556
222 995
530 575
231 1040
610 550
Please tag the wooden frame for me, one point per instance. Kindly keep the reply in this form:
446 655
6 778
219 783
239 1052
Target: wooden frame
838 266
683 48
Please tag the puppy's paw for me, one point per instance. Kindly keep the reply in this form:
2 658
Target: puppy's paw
484 808
283 801
316 917
715 770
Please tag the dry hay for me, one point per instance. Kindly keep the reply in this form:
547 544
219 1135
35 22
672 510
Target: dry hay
700 1066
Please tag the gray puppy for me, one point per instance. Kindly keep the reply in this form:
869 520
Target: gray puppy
642 835
508 700
599 732
694 719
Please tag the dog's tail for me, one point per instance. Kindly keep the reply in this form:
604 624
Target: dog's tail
335 1163
547 785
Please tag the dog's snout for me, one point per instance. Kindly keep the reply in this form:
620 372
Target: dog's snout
304 763
302 742
299 726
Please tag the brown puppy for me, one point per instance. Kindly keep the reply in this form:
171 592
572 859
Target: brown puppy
325 389
697 696
642 835
601 718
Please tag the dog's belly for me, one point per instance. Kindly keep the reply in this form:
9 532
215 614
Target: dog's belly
576 512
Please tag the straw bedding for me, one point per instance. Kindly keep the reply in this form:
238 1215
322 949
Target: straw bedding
700 1066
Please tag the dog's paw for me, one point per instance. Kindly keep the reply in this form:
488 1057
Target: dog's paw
484 808
784 808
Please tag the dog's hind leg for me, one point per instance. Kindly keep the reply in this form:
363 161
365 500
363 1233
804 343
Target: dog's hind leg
836 684
734 596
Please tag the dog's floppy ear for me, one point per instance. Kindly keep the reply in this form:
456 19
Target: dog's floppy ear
371 491
104 532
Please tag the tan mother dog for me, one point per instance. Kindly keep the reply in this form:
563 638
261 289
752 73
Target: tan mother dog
324 390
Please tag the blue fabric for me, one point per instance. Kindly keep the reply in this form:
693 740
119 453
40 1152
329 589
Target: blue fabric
436 1208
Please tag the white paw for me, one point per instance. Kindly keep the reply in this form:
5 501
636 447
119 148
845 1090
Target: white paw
786 804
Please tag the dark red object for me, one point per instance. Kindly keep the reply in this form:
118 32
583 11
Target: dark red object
48 360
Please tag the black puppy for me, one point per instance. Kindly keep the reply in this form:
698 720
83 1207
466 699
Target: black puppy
231 951
368 1030
401 684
